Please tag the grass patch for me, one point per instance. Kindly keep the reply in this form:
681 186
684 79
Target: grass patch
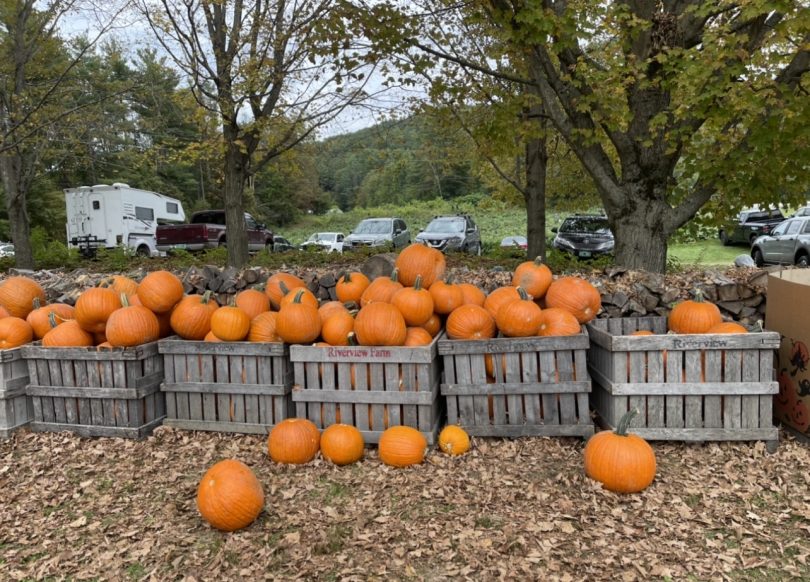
333 541
707 252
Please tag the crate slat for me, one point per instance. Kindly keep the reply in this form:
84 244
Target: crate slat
16 408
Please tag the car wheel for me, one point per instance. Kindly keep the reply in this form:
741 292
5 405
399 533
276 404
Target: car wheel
143 251
268 247
478 250
724 239
222 244
756 254
803 261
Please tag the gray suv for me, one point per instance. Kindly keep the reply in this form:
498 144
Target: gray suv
452 233
378 232
787 244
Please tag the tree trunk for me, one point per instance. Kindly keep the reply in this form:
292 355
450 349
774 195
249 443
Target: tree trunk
236 231
15 190
535 196
641 240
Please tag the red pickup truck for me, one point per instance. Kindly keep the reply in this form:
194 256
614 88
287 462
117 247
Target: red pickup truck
207 231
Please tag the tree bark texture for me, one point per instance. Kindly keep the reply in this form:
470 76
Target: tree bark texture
535 196
236 168
15 190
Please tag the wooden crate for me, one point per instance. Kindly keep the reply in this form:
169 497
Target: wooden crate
687 387
370 388
240 387
15 407
539 386
112 392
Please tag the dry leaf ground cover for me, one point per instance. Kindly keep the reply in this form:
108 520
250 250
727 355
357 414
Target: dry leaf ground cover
109 509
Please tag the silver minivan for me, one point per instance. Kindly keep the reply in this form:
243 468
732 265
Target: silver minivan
787 244
378 232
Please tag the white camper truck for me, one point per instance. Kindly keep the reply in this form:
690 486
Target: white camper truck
108 216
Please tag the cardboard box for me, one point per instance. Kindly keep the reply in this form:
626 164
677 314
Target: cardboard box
787 314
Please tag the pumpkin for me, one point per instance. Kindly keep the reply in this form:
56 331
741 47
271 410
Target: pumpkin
787 395
263 328
472 294
66 334
342 444
229 496
253 302
446 296
160 291
416 260
273 289
694 316
417 336
230 324
623 463
337 328
728 327
38 318
94 307
519 317
557 322
120 285
351 286
294 441
433 325
382 289
641 332
453 440
14 332
132 325
470 322
380 324
3 312
414 303
800 415
298 323
210 337
576 296
307 296
99 338
402 446
135 300
17 296
103 345
534 277
191 319
330 308
498 298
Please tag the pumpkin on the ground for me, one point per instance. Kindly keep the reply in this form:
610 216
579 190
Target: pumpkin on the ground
694 316
17 296
557 322
416 260
414 303
298 323
229 496
294 441
623 463
470 322
576 296
382 289
160 291
14 332
519 317
380 324
94 307
191 319
230 324
263 328
273 288
497 298
534 277
454 440
132 325
342 444
402 446
351 286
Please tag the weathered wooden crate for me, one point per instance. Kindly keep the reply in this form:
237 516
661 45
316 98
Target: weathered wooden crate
15 407
370 388
112 392
240 387
687 387
538 387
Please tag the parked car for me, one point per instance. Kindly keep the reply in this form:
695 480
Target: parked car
326 241
378 232
584 235
281 244
750 225
787 244
515 242
805 211
451 233
207 231
6 250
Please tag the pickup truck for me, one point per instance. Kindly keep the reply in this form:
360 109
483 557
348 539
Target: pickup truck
207 231
750 225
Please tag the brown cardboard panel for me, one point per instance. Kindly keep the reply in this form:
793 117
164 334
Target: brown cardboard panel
788 314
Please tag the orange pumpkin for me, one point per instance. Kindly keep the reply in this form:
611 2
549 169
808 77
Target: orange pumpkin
307 297
273 289
94 307
210 337
132 325
472 294
191 319
416 260
160 291
446 296
330 308
728 327
519 317
402 446
696 316
66 334
3 312
342 444
534 277
230 324
351 286
164 321
17 296
381 289
253 302
498 298
98 338
453 440
135 300
120 285
263 328
470 322
14 332
337 328
298 323
229 496
38 318
104 345
414 303
576 296
433 325
557 322
380 324
417 336
294 441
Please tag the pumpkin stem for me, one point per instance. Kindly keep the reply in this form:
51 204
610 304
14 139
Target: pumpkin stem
206 298
523 295
352 339
104 283
261 287
347 277
124 300
52 319
351 305
395 275
756 328
449 279
36 303
283 288
538 261
699 296
354 312
621 430
417 285
298 296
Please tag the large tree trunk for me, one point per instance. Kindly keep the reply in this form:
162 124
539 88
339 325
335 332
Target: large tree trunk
535 196
15 190
236 167
641 238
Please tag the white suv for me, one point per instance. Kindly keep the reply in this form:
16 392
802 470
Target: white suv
327 241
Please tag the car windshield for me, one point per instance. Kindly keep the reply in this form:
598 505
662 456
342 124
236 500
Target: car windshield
445 226
373 227
753 216
589 225
322 236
